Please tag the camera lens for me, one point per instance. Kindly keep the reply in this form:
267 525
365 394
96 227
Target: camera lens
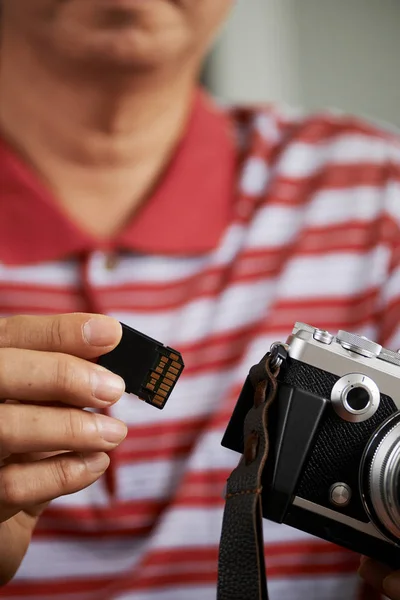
357 398
380 478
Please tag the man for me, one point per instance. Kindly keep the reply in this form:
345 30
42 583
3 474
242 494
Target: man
125 191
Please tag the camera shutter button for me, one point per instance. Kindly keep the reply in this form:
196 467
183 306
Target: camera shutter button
320 335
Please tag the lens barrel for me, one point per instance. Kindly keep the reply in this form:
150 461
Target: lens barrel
380 478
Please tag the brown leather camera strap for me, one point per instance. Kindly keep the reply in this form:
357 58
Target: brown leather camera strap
241 568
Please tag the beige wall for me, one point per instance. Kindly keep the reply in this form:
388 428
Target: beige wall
313 53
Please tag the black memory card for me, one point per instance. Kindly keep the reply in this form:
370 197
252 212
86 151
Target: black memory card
150 369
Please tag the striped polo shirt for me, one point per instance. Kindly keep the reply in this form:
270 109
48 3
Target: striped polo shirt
263 218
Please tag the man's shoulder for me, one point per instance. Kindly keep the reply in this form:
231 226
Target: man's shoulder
327 149
329 134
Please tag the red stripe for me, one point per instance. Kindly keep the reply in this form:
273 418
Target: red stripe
277 549
118 519
167 428
326 128
174 450
333 177
57 587
299 191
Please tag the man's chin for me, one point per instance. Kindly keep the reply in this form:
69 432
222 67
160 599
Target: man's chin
125 33
129 50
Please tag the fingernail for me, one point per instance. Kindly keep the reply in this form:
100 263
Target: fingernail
101 331
106 386
111 430
96 462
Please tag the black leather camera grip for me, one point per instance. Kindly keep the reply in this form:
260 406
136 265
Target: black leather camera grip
241 568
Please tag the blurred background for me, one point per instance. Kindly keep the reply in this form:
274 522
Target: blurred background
311 54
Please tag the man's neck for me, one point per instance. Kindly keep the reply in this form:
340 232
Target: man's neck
100 146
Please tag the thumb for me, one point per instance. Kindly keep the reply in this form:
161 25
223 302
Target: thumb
15 536
391 586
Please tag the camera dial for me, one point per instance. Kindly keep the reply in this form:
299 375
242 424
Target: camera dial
358 344
355 397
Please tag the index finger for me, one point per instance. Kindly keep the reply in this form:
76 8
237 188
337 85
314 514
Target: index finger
80 334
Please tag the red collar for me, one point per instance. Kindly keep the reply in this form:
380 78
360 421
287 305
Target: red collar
187 213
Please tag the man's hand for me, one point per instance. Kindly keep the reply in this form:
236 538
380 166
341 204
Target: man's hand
49 446
381 578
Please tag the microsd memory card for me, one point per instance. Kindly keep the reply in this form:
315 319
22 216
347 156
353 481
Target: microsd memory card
150 369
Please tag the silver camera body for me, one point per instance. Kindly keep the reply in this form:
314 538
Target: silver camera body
334 463
365 371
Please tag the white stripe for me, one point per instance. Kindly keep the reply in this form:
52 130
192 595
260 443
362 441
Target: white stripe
94 495
266 125
210 455
182 592
323 587
337 207
334 275
71 558
274 226
392 200
144 480
230 244
189 528
56 274
148 269
302 159
201 527
255 176
362 203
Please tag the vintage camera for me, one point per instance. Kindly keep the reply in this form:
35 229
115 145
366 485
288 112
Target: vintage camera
333 468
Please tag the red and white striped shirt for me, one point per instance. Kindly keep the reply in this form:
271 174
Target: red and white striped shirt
262 219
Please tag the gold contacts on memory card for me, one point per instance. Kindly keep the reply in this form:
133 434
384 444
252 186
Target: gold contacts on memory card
162 379
150 369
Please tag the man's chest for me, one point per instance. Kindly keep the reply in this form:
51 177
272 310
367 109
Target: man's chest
222 311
